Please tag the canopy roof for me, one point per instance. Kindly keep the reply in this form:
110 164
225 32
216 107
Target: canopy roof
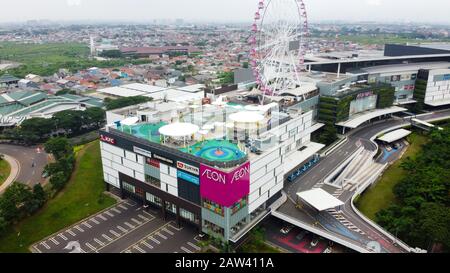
179 129
356 120
320 199
395 135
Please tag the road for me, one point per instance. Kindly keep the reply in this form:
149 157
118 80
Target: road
25 156
355 228
126 228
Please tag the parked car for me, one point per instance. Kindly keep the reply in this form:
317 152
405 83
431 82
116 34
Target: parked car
286 229
328 250
314 242
301 235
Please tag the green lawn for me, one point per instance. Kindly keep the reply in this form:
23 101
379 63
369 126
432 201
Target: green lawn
46 59
82 197
381 195
5 170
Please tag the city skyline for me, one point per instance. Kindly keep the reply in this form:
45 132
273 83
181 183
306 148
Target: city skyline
230 11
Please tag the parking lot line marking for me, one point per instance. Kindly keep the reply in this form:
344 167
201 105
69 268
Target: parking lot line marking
149 214
62 236
45 245
147 244
125 233
136 221
107 237
95 221
90 246
130 203
122 229
71 232
162 236
54 241
114 233
168 231
122 207
185 249
37 249
139 249
116 210
154 240
109 214
142 217
194 246
87 225
99 242
177 229
102 217
79 228
129 225
128 251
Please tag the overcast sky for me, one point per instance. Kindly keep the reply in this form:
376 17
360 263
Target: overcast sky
220 10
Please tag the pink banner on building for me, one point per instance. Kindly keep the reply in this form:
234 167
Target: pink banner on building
224 188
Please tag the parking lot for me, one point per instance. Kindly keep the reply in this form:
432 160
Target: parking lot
125 227
296 240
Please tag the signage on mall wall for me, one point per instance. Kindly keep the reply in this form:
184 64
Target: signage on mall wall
188 177
224 188
160 158
108 139
189 168
152 162
142 151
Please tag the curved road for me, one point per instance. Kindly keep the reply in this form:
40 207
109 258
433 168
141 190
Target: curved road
316 176
25 157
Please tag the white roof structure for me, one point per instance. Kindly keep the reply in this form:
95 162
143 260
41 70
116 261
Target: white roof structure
121 92
299 91
146 88
297 157
246 117
130 121
357 120
395 135
320 199
438 102
179 129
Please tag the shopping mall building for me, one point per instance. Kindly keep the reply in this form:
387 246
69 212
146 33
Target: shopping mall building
217 164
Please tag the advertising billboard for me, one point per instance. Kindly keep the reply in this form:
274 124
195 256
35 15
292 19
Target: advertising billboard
224 188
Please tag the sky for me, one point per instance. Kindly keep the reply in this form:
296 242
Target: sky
429 11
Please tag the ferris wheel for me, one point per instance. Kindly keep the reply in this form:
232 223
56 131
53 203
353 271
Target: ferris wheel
278 44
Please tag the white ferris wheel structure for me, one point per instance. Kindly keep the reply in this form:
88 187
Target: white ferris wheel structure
278 45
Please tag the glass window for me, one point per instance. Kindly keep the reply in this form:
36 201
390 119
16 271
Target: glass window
153 181
214 228
239 205
153 199
171 207
216 208
128 187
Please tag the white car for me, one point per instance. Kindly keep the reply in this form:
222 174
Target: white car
327 250
286 230
314 242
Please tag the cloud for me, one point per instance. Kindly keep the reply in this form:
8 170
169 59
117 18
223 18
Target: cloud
375 3
73 3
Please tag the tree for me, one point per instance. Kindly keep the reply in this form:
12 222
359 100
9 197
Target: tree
3 225
14 200
59 147
226 77
111 54
124 102
70 121
95 115
58 180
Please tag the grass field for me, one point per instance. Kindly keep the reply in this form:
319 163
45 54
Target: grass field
47 59
82 197
5 170
381 195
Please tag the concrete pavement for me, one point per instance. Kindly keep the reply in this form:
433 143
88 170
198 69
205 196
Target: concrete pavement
360 230
25 157
15 169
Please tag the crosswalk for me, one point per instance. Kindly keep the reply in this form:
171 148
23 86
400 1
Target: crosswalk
338 216
318 185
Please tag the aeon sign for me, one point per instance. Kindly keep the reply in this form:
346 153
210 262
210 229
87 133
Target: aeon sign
224 188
